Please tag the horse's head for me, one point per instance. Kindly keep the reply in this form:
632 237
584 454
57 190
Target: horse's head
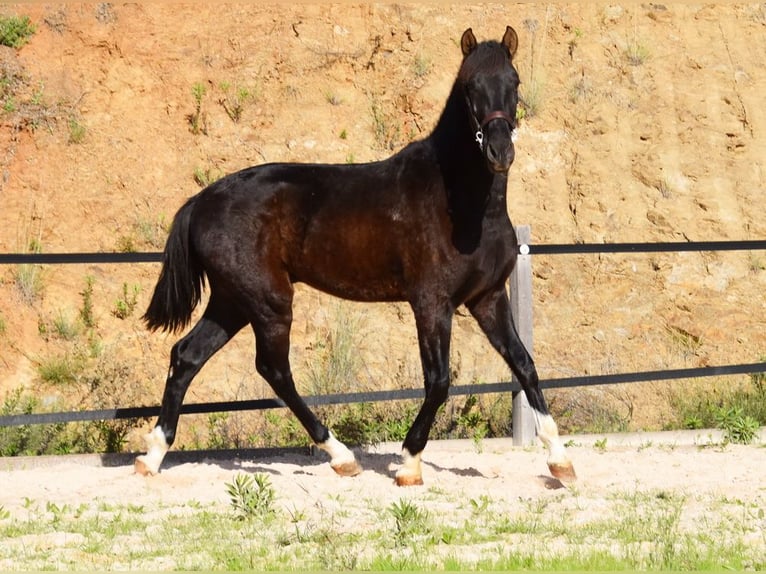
491 84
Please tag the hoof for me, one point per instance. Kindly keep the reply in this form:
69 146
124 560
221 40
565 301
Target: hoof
140 467
351 468
408 480
563 471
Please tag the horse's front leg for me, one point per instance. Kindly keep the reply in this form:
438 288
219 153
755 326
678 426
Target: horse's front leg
434 331
493 313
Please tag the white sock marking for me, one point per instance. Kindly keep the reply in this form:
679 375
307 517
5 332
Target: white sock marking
410 464
339 452
549 435
156 446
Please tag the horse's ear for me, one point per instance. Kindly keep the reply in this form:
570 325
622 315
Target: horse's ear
511 40
468 42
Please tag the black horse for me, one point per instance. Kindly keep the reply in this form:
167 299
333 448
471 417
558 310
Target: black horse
428 225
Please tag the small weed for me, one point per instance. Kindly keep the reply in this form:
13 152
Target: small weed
86 310
29 277
332 98
756 263
574 41
15 31
479 505
421 66
251 496
4 514
65 327
409 521
582 90
198 120
600 444
531 98
234 100
738 428
385 130
343 134
2 325
60 370
77 131
531 94
742 409
687 343
152 232
472 423
665 187
636 53
126 244
126 304
206 176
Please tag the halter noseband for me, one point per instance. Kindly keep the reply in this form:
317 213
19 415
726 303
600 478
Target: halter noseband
496 115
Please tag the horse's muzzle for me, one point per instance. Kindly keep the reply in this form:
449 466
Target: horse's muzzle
499 161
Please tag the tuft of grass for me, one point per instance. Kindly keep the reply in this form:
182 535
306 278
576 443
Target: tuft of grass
77 131
756 263
737 410
234 100
640 530
251 496
532 89
332 98
206 176
531 97
636 53
15 31
410 522
126 303
197 120
29 277
385 129
421 66
86 310
739 428
65 327
60 370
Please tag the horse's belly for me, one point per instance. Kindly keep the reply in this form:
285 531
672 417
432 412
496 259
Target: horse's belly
356 287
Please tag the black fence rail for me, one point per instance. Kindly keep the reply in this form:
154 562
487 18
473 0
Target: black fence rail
526 250
378 396
534 249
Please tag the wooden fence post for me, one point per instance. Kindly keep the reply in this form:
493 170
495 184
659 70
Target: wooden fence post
520 283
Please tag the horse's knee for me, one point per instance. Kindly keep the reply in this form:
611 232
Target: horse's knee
438 391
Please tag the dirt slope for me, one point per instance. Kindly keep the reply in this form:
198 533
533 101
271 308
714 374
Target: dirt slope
646 123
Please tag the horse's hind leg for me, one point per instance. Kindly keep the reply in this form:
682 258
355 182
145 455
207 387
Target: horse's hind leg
493 313
216 327
272 340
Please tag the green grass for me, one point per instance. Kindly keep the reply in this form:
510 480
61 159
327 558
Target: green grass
15 31
739 410
632 530
60 370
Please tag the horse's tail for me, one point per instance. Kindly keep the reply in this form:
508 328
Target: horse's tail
179 288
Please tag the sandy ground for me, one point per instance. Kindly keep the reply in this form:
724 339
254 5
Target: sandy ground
690 463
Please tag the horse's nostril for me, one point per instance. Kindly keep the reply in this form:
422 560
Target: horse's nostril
492 155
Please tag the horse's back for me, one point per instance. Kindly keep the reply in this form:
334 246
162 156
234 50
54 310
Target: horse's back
351 230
